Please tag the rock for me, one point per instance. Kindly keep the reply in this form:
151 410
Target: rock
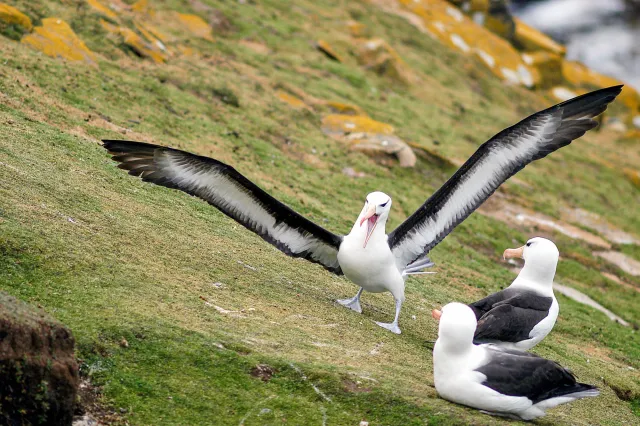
633 176
581 76
291 100
529 39
55 38
377 55
563 93
329 52
547 66
365 134
195 25
141 47
340 124
596 222
38 371
621 260
356 29
580 297
102 10
345 109
451 27
9 15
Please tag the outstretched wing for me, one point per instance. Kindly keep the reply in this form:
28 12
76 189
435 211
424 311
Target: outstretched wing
494 162
233 194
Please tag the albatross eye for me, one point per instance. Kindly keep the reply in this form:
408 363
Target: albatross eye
529 244
382 205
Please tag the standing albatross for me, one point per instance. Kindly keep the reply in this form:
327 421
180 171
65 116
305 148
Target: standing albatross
376 262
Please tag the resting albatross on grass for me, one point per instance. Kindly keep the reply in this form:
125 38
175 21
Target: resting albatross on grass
499 381
373 260
521 315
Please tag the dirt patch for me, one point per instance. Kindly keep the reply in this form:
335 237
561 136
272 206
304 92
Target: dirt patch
600 225
512 214
263 372
580 297
622 261
91 410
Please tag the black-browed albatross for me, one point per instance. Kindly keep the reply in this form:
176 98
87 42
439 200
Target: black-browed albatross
521 315
504 382
367 256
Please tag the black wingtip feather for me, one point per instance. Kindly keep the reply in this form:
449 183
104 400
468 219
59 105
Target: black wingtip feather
590 104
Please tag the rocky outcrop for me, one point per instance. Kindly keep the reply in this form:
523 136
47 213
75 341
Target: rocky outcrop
38 370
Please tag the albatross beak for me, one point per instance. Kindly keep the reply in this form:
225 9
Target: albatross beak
436 314
513 253
372 220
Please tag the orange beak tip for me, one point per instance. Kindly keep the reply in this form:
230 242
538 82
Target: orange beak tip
436 314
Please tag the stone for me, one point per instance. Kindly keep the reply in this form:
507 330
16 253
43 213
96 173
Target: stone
356 29
621 260
55 38
291 100
529 39
345 109
38 371
339 124
599 224
547 66
368 135
102 10
195 25
633 176
452 28
328 51
143 48
11 16
376 54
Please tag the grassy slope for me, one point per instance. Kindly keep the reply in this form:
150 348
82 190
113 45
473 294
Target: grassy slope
115 258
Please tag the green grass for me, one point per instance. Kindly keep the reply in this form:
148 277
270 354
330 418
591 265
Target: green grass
113 257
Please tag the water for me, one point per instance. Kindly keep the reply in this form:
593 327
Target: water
603 34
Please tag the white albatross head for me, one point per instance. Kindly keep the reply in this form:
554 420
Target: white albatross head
457 327
540 260
375 211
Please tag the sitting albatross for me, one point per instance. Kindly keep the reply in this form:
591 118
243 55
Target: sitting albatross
504 382
521 315
367 256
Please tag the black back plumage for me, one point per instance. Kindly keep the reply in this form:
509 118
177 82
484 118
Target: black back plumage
517 373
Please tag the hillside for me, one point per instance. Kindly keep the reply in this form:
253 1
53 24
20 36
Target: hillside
182 316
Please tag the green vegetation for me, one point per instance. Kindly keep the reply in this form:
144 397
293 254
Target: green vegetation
200 301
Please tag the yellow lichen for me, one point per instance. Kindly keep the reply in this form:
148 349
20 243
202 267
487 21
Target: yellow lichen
326 48
291 100
456 30
341 124
378 55
195 25
579 75
142 47
356 29
101 9
547 66
531 39
142 7
11 15
633 176
345 109
55 38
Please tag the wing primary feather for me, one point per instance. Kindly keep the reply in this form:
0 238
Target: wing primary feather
233 194
494 162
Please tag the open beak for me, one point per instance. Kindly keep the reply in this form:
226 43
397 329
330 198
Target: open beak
436 314
372 220
513 253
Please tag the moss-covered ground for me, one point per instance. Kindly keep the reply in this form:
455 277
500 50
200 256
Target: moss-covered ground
201 301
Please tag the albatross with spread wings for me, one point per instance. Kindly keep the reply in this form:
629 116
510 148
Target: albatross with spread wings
373 260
